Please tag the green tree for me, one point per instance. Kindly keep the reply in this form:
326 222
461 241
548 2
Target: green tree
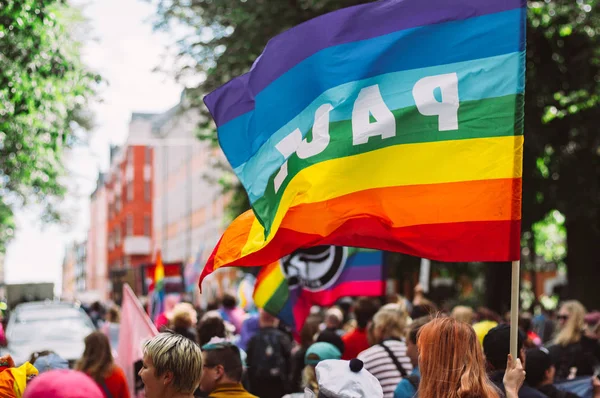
562 152
44 90
561 156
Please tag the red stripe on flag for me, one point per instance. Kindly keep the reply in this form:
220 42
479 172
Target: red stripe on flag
449 242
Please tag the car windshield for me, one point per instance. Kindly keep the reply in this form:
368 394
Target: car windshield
49 324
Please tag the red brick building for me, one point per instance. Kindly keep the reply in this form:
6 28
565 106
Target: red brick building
129 214
156 197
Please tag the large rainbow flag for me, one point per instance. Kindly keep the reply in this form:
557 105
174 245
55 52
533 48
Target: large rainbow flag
395 125
320 276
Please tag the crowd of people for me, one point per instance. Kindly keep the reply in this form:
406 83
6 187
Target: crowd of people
363 347
401 344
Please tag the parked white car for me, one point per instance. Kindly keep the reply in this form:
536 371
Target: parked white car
40 326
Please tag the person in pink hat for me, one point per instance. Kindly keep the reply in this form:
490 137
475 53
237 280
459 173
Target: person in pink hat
63 384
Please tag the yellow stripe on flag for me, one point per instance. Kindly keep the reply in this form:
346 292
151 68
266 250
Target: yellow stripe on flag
267 286
400 165
159 270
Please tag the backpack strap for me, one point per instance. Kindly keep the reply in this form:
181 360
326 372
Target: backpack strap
394 359
105 389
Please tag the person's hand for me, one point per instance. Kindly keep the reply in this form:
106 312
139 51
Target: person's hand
513 377
419 289
596 385
6 360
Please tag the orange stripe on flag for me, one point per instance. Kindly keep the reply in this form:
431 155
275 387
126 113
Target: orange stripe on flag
487 200
467 201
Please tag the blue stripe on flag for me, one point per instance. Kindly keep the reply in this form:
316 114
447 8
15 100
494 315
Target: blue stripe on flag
361 259
480 79
480 37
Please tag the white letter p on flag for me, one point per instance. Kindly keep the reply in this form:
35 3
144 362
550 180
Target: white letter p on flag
428 105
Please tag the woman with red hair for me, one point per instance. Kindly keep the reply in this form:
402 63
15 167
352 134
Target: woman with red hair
452 364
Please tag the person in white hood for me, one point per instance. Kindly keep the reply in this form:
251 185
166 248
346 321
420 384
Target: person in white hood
345 379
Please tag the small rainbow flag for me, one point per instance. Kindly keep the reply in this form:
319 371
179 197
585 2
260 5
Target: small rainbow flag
320 276
395 125
158 290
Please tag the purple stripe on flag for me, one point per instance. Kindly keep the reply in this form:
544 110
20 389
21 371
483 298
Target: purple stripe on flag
347 25
364 273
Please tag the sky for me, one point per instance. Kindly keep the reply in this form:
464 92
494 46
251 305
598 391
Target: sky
124 49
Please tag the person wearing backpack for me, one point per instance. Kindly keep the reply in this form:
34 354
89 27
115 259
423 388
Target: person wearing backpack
387 359
407 388
269 359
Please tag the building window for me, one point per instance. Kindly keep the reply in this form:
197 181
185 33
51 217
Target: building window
129 225
147 225
110 241
126 262
129 191
147 191
130 155
118 203
148 155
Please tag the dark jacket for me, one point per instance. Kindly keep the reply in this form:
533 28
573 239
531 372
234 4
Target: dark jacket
525 392
552 392
583 355
258 359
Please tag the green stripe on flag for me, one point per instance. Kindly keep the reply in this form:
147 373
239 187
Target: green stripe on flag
492 117
278 299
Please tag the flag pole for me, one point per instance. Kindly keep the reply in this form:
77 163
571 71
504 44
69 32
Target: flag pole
514 308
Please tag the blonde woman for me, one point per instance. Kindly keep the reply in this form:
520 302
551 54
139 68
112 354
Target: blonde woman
463 314
172 367
387 359
573 353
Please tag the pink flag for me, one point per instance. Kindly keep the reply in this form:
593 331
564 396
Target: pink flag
136 328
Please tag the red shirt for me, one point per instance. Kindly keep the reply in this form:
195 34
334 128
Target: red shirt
355 342
116 382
